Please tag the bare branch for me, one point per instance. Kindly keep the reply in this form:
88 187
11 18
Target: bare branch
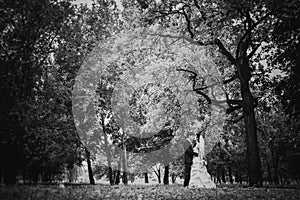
197 5
232 109
191 41
230 79
251 26
197 90
235 101
186 70
253 51
188 21
225 52
204 95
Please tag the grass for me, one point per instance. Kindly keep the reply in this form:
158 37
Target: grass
141 192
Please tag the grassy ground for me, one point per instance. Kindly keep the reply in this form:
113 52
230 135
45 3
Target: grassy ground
87 192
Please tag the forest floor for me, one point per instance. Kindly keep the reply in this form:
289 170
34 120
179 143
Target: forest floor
142 192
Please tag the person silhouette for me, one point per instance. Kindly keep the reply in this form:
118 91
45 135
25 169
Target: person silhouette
188 157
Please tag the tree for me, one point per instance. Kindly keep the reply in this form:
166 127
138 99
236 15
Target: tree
43 43
166 175
81 35
286 57
28 33
231 26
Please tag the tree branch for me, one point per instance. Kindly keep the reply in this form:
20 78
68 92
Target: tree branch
225 52
197 5
197 90
230 79
188 21
235 101
232 109
191 41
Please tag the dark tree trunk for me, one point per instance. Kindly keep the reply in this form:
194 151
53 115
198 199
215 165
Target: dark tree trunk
269 172
131 177
166 175
275 165
223 175
146 177
108 153
118 176
90 171
238 177
124 159
125 178
248 104
158 174
253 159
230 174
173 176
219 174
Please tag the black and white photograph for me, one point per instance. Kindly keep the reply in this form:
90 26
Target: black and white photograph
149 99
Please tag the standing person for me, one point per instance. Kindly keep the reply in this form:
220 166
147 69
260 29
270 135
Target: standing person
188 158
200 178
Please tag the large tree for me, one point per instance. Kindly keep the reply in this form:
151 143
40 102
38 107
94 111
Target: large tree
43 44
28 33
237 29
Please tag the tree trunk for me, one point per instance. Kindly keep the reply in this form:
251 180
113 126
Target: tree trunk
125 178
117 179
275 165
166 175
108 154
223 175
131 177
269 172
90 171
146 177
254 165
173 176
230 174
158 176
241 61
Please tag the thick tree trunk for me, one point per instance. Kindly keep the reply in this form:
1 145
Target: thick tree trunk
125 178
166 175
146 177
108 153
90 171
253 160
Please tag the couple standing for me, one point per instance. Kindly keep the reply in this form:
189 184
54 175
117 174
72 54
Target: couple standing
195 172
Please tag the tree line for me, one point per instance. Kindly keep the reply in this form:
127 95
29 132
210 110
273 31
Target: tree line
44 43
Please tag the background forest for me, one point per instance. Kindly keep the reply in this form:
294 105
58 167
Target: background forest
254 45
